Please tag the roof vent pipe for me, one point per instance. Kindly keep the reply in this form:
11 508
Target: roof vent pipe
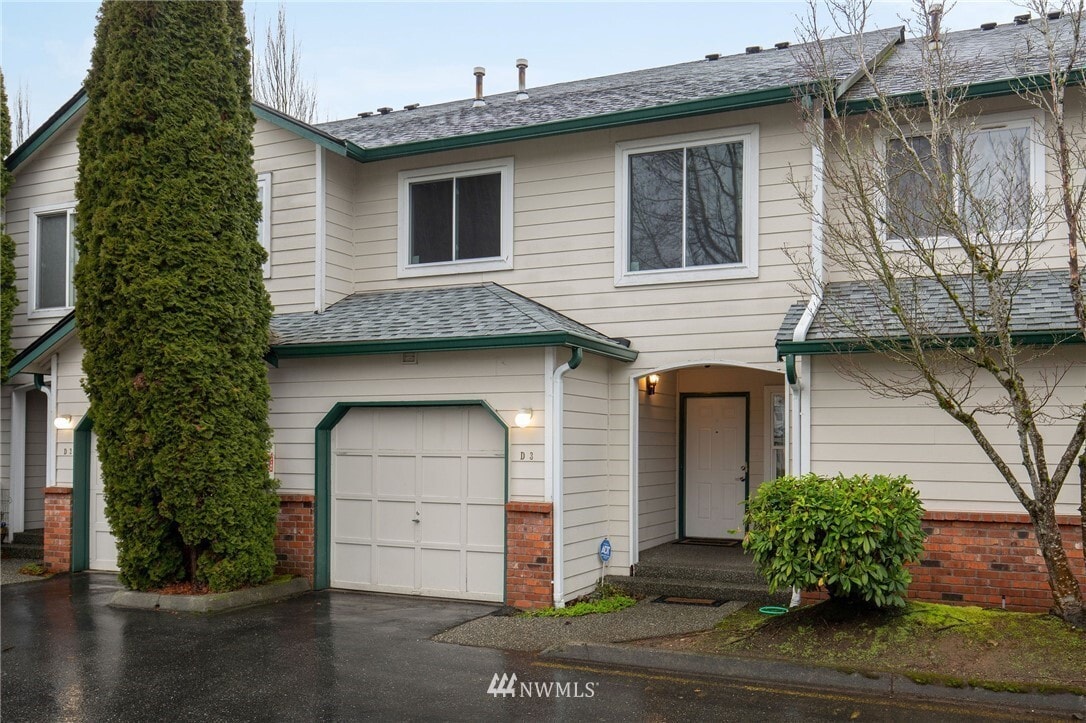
935 17
479 73
522 68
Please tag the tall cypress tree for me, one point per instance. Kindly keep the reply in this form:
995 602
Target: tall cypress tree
170 300
8 298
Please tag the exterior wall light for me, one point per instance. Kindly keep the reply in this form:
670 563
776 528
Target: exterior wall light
523 418
64 421
650 383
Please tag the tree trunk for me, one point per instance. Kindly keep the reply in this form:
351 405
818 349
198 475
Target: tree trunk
1066 593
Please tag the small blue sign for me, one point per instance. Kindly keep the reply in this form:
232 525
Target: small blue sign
605 550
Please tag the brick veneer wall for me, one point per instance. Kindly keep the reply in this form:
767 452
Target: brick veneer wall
978 558
58 529
529 555
295 536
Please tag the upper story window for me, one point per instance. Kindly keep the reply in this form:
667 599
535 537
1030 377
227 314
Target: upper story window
687 208
456 219
991 182
52 259
263 224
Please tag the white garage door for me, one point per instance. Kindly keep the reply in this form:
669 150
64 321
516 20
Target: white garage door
418 502
102 546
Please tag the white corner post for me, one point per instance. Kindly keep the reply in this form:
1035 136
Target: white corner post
320 233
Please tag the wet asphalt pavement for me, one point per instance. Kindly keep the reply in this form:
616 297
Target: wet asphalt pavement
67 656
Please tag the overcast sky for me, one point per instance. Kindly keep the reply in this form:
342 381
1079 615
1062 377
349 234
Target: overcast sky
363 55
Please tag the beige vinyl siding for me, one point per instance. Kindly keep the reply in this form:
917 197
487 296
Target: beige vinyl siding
292 161
339 227
5 447
854 432
304 390
47 179
658 464
71 400
564 236
586 473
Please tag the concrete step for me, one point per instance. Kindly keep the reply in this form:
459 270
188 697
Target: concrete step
741 573
679 587
29 537
20 551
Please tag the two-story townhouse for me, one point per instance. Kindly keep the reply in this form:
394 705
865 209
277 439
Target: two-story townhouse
507 328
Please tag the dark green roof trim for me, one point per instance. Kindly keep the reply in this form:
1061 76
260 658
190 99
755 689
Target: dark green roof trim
974 91
854 346
505 341
670 111
43 344
46 131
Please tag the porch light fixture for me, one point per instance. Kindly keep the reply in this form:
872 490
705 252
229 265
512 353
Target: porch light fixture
650 383
523 418
64 421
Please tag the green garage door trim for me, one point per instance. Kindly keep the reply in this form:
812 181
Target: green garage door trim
322 573
81 495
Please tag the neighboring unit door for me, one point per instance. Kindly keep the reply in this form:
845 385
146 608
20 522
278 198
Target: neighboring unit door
418 502
101 545
715 466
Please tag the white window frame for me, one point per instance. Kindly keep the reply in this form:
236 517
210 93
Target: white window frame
770 458
32 302
264 195
748 268
1033 120
502 262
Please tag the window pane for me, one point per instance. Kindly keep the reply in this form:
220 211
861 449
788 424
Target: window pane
73 256
431 222
778 420
912 203
479 216
52 261
714 199
656 210
999 179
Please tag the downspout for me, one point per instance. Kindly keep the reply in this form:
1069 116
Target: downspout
557 474
320 235
800 395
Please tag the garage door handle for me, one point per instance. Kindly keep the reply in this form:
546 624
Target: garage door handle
416 520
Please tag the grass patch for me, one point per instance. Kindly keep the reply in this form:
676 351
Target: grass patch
928 643
609 604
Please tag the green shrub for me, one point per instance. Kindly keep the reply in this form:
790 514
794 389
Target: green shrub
854 535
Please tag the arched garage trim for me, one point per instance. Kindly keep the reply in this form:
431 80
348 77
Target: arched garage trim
322 573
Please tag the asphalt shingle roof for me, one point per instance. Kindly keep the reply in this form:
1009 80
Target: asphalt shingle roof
1041 304
428 314
974 56
704 79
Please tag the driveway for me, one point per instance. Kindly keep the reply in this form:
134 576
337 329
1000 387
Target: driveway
67 656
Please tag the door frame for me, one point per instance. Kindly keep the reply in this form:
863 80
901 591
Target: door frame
683 397
322 487
81 465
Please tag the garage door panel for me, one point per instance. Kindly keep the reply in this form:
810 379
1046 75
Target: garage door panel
357 434
440 523
396 566
394 429
354 519
352 563
442 570
354 474
396 521
442 429
483 433
486 573
442 477
486 479
486 525
395 476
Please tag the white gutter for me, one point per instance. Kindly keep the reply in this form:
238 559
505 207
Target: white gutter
557 474
320 234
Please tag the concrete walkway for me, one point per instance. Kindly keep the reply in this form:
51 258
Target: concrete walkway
9 572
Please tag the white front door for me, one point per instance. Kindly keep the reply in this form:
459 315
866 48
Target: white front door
715 466
102 547
418 502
